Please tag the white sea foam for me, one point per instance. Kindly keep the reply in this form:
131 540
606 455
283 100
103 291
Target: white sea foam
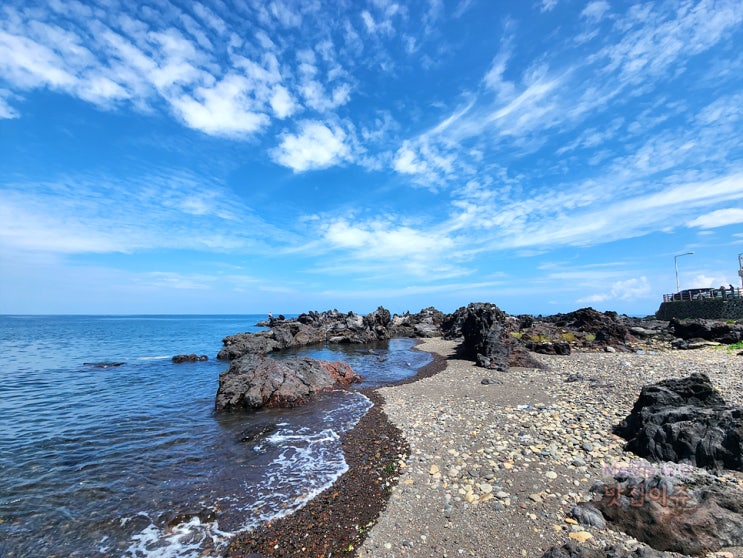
308 460
184 540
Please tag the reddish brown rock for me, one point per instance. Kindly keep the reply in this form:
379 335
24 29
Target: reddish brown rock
674 514
255 381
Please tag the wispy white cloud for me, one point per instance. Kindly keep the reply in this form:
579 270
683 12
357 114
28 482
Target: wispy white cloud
628 289
595 11
718 218
209 17
226 109
597 223
101 215
462 8
186 62
648 46
6 110
171 280
386 247
315 146
548 5
382 239
655 43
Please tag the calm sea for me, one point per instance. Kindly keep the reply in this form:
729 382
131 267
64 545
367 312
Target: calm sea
107 448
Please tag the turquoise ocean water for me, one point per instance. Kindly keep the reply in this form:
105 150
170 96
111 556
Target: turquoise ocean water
130 460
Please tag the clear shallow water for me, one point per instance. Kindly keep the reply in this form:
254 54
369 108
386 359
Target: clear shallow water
131 460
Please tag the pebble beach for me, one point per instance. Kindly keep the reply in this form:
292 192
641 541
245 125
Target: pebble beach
476 462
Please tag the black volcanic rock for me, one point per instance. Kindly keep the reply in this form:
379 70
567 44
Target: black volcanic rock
487 338
247 343
709 330
557 348
685 420
178 359
605 326
333 327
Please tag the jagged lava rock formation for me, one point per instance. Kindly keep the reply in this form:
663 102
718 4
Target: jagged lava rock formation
486 336
332 327
687 421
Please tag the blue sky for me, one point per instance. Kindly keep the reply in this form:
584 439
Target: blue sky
215 157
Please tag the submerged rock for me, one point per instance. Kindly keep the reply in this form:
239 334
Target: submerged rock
178 359
258 432
685 421
255 381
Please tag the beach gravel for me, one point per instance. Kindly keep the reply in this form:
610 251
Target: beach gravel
474 462
499 459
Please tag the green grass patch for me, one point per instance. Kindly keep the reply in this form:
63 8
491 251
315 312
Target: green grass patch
568 336
540 339
517 334
735 346
590 337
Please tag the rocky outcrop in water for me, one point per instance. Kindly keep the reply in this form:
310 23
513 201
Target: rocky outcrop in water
255 381
685 420
426 323
499 339
178 359
332 327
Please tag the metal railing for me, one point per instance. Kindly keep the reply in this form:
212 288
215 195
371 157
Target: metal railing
704 294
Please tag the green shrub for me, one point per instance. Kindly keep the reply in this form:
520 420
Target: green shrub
568 336
517 334
590 337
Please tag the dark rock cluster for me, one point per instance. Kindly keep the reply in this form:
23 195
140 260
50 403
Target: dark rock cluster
486 337
604 327
489 336
698 332
686 421
332 327
178 359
